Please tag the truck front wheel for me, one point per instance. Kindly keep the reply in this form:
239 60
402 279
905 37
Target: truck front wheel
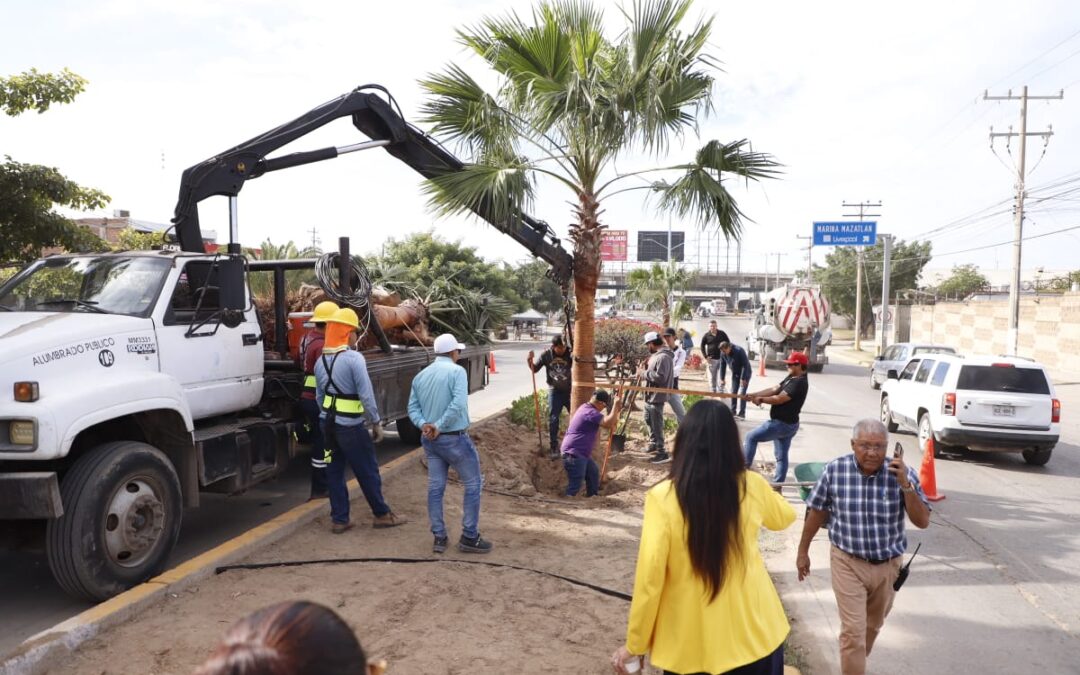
122 511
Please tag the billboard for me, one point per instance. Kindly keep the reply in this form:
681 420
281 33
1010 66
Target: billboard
652 245
613 245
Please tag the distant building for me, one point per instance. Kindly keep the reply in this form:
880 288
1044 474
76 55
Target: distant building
109 229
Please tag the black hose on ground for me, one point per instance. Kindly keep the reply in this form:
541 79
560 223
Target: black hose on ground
381 559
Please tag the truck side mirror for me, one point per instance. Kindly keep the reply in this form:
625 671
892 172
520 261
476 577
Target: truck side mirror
230 277
892 375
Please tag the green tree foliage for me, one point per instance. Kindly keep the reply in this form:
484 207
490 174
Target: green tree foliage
655 287
30 192
37 91
427 260
262 283
131 239
837 277
964 280
532 285
573 93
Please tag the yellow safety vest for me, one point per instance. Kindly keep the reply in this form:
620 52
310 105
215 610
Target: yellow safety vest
344 405
309 385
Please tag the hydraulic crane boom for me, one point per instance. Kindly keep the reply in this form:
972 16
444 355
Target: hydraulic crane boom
376 118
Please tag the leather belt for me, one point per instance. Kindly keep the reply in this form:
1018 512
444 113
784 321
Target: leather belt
453 433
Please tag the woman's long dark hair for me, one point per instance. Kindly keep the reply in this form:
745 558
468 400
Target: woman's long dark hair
708 472
291 638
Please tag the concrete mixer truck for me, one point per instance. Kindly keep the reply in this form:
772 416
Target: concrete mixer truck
792 318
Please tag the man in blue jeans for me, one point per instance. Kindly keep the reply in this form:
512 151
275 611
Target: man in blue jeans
439 407
577 444
343 390
558 361
740 375
787 400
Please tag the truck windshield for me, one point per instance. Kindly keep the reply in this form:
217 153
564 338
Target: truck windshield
110 285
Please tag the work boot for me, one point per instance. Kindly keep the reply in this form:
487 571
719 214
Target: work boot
477 545
338 528
389 520
661 458
440 544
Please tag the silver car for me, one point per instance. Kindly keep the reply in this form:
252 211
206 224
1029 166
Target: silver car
897 356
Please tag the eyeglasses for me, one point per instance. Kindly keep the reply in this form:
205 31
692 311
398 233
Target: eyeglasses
867 447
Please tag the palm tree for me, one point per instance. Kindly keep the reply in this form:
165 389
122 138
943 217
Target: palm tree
656 286
262 283
570 102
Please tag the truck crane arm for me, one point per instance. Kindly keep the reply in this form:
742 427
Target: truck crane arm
378 119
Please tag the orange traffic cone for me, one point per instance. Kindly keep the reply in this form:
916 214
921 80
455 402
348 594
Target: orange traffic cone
491 362
927 476
761 366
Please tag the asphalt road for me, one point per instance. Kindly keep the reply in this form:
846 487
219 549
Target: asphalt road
31 602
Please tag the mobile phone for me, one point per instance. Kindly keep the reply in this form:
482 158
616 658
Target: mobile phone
898 451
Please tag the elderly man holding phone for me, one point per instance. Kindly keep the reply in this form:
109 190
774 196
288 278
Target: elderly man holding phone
864 497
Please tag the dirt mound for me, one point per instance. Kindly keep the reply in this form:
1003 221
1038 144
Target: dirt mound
513 463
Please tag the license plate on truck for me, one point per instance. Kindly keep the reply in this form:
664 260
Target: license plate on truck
1004 411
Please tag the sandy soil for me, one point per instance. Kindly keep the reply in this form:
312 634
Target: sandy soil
434 617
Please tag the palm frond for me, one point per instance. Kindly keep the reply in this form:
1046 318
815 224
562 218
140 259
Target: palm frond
500 190
459 109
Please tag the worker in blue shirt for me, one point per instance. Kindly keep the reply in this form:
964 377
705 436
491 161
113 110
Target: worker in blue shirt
343 390
439 407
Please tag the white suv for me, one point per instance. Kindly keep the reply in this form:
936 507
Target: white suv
996 403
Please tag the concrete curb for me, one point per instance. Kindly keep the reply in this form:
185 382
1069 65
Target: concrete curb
851 358
37 653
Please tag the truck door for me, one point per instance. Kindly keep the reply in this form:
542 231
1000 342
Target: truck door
217 360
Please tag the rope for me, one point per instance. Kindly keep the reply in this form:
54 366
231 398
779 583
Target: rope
326 271
380 559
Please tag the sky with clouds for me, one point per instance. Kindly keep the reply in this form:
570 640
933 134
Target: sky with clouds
858 100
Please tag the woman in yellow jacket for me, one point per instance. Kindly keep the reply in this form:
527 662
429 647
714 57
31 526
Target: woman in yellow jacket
703 600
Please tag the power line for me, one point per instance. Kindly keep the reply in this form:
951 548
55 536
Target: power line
1021 68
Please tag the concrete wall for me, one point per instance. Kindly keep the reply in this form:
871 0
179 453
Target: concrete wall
1049 329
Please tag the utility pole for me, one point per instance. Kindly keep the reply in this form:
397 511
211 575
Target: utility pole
1018 236
809 252
862 206
314 237
885 272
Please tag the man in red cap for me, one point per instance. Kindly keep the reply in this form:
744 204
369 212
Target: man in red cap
787 400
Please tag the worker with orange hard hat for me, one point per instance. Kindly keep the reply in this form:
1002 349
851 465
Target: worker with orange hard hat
344 394
311 346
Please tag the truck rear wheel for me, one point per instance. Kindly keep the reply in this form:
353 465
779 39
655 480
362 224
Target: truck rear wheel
407 431
122 511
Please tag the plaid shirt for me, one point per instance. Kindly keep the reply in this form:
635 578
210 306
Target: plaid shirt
866 512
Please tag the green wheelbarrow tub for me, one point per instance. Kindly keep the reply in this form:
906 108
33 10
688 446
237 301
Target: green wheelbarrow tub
808 472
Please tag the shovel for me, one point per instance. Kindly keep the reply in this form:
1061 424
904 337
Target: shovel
618 439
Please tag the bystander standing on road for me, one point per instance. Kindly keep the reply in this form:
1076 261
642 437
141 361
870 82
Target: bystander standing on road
657 372
558 361
864 499
703 600
439 407
740 375
311 346
579 440
677 362
710 350
343 390
787 400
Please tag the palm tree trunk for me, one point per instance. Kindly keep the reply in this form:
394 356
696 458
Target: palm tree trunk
586 236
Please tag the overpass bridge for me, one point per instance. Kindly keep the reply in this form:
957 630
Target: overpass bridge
710 285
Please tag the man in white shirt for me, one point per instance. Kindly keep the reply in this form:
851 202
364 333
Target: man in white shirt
675 400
